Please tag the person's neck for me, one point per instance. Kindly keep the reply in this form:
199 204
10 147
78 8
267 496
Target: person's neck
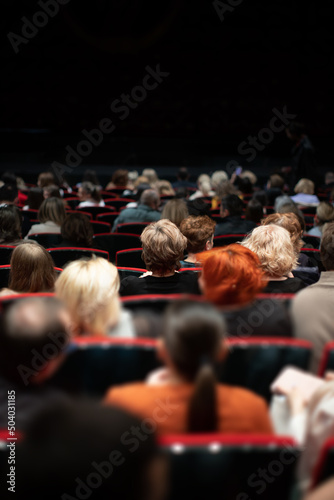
191 258
277 278
163 275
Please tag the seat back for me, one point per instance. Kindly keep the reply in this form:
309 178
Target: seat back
47 240
62 255
132 227
125 272
324 467
312 240
113 242
95 211
109 217
227 239
118 203
156 303
313 254
237 467
100 227
327 359
5 254
130 258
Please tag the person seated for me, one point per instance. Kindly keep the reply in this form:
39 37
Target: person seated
254 211
152 177
224 188
10 225
191 344
204 188
165 188
183 182
51 216
45 179
231 279
76 231
163 248
89 196
90 176
199 232
324 214
274 188
146 211
35 199
8 195
119 179
231 209
175 210
305 196
34 334
31 270
89 290
272 244
81 449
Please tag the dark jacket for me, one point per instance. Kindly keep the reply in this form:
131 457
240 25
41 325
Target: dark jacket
234 224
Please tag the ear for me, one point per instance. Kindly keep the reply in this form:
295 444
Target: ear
224 212
209 245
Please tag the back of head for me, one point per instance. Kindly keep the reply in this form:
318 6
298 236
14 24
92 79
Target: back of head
225 188
151 174
32 269
217 178
329 177
193 335
198 231
52 209
46 179
175 210
291 223
51 191
10 224
89 289
150 198
183 174
8 193
261 197
327 247
90 176
233 204
163 246
35 198
198 207
78 230
82 449
92 190
248 174
254 211
305 186
273 246
292 208
231 275
325 212
9 178
276 181
204 184
120 177
28 326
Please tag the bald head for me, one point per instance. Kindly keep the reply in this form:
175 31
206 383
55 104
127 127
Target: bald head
150 198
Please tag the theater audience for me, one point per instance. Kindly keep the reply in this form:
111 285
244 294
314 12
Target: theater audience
191 343
31 270
152 177
175 210
146 211
305 196
272 244
199 232
231 279
204 187
324 214
76 231
34 333
231 209
81 449
312 308
254 211
51 215
35 199
163 248
89 196
165 188
119 179
183 181
90 176
89 290
9 194
45 179
10 225
274 188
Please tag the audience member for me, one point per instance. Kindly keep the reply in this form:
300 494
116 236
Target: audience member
231 209
165 188
89 196
324 214
272 244
35 199
204 187
275 186
192 342
45 179
76 231
199 232
10 225
305 196
90 176
198 207
89 290
8 194
223 189
183 181
175 210
303 155
31 270
51 215
312 309
254 211
163 248
119 179
231 279
147 210
34 333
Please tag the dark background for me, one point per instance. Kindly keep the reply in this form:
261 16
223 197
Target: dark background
225 79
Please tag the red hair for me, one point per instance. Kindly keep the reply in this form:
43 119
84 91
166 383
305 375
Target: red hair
232 275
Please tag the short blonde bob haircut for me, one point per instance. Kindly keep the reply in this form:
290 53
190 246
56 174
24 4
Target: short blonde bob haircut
273 246
291 223
305 186
163 247
89 290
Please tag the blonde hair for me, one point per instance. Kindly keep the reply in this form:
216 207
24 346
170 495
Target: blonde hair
163 246
273 246
325 212
204 184
175 210
52 209
305 186
89 289
217 178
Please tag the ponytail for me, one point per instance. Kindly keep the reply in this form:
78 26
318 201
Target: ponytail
202 412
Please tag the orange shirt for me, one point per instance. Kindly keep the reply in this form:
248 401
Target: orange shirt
239 410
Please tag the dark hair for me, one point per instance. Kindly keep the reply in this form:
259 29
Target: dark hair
296 129
35 198
140 189
45 179
77 228
261 197
90 176
197 230
276 181
32 269
9 178
198 207
183 174
10 224
254 211
193 333
120 177
327 247
92 190
244 185
52 190
28 325
233 204
8 193
74 442
52 209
